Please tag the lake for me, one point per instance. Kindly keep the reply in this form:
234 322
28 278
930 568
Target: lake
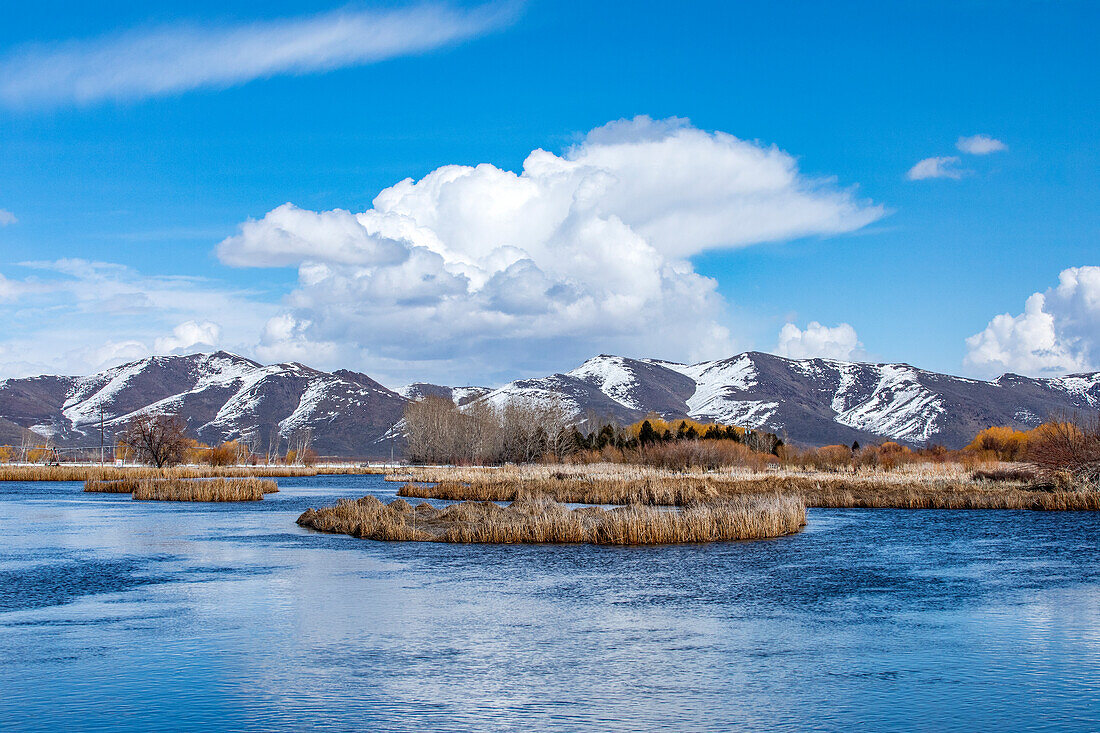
126 615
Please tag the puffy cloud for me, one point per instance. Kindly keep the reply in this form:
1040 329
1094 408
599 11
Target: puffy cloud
180 57
189 337
6 218
939 167
979 145
818 341
1058 332
289 235
578 252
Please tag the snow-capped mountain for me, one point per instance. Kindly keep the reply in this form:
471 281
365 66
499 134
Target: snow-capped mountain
811 401
221 396
458 395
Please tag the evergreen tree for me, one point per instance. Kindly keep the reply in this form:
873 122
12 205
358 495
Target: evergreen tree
647 434
605 437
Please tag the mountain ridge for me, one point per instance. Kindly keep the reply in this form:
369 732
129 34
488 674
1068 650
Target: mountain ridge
225 396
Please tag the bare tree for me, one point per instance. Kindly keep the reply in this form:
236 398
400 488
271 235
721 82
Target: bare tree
432 425
519 431
1069 444
157 439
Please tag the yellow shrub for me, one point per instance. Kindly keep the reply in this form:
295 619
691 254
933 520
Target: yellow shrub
1006 443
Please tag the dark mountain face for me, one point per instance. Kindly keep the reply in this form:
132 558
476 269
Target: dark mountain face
811 401
221 396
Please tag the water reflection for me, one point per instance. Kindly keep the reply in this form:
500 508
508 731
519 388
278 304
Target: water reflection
124 615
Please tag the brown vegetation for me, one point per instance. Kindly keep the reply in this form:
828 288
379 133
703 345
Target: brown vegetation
519 431
1067 450
175 489
931 489
85 472
546 521
157 439
216 489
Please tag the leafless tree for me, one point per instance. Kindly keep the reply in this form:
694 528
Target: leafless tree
519 431
430 427
1069 444
157 439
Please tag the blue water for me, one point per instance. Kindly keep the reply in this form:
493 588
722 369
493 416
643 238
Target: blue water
126 615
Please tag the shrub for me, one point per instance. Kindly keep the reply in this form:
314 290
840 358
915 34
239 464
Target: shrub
1070 446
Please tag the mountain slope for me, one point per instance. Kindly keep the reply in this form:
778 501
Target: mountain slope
221 396
812 401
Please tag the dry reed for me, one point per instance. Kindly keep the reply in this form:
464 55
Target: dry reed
89 472
903 490
544 521
216 489
177 489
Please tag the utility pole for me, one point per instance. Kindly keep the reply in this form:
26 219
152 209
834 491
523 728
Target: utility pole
101 455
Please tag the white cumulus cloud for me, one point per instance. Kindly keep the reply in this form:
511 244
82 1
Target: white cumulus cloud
979 145
1058 332
939 167
818 341
498 271
188 337
177 58
6 218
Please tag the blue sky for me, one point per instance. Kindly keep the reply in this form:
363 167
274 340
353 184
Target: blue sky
858 93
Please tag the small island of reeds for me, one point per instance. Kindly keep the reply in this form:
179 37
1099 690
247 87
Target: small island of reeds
909 487
179 489
546 521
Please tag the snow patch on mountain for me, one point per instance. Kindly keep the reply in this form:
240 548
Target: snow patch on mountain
555 389
462 395
612 376
94 394
743 413
1083 386
848 373
716 386
308 403
900 407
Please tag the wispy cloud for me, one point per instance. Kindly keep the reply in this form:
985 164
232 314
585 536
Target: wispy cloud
74 316
173 59
939 167
980 145
6 217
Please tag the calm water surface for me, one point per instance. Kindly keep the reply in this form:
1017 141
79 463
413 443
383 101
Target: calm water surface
128 615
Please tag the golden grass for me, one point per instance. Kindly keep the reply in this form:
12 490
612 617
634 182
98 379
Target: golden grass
89 472
914 489
216 489
116 486
544 521
903 474
178 489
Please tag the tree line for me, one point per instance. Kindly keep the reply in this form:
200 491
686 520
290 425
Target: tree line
525 430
